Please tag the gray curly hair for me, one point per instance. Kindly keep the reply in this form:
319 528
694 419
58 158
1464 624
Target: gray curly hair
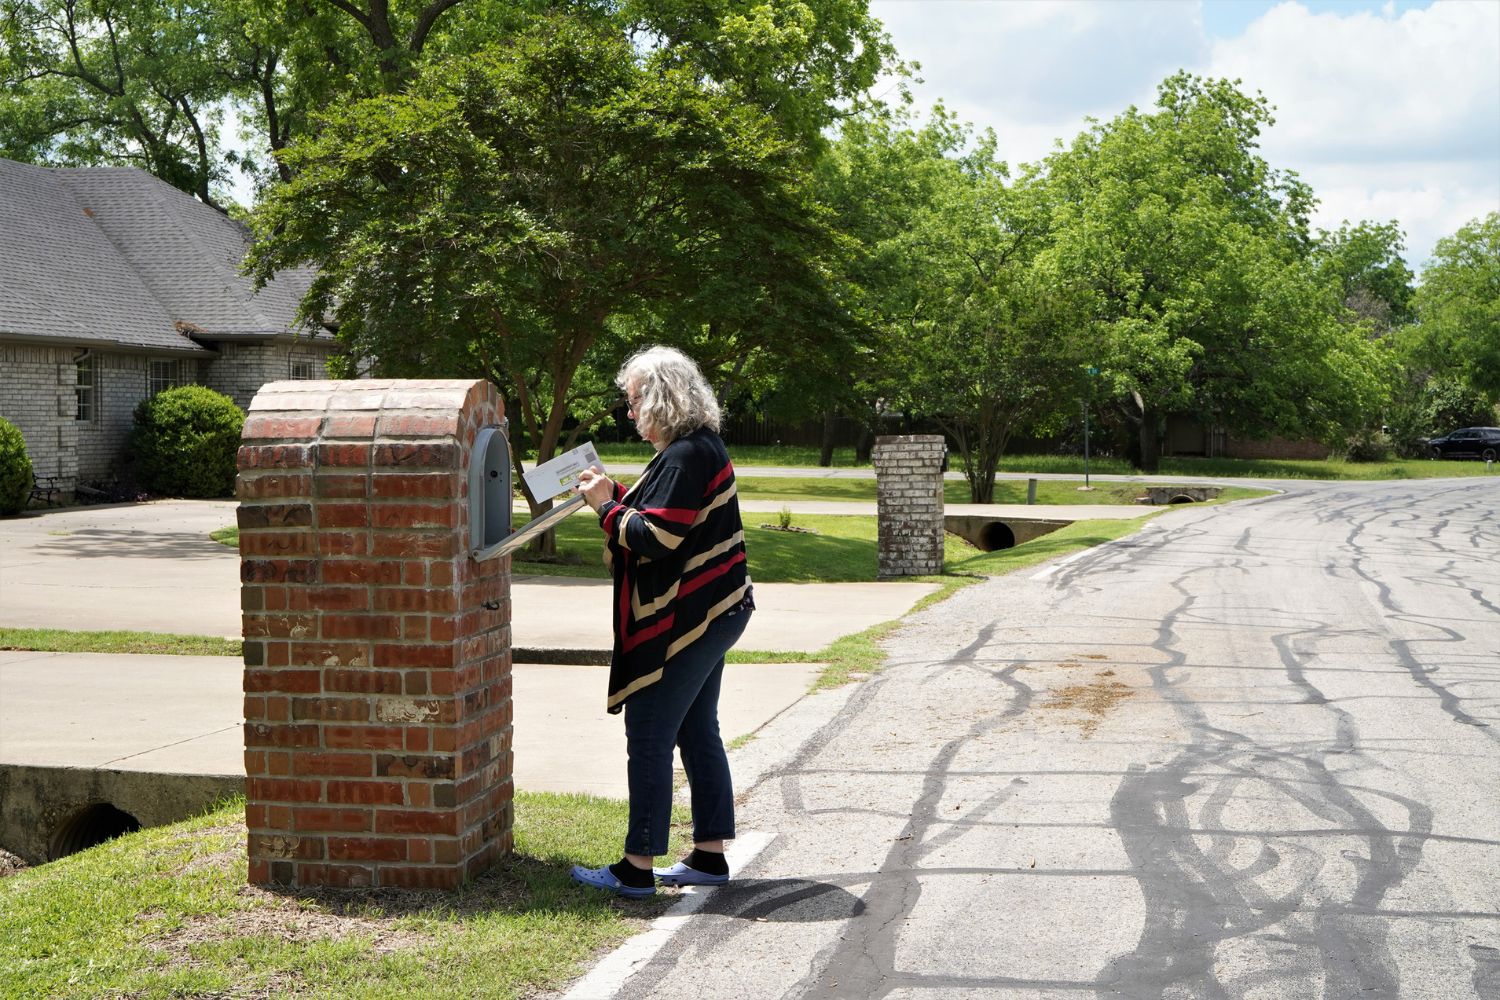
675 398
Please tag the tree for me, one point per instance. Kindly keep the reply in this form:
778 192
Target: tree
1364 262
513 213
150 83
1457 332
971 330
134 82
1196 251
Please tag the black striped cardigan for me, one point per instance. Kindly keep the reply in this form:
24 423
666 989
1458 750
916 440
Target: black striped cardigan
676 549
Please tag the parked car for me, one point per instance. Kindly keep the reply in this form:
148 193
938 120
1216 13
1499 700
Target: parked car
1467 442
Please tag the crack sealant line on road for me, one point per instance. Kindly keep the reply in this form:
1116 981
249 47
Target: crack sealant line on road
608 977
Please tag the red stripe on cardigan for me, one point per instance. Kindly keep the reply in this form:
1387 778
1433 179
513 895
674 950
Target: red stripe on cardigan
710 575
677 515
719 480
629 642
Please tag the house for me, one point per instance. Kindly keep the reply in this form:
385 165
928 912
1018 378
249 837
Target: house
114 286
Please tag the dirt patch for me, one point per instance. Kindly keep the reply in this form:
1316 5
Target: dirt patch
10 863
1094 700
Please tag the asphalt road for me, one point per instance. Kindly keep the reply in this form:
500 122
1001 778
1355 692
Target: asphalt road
1252 751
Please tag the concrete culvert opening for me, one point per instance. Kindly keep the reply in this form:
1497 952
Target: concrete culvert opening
91 825
1183 498
995 536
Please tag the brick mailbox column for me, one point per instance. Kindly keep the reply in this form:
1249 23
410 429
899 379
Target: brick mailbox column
909 504
377 653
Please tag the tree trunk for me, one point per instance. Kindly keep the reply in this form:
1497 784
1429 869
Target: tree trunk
825 456
1150 435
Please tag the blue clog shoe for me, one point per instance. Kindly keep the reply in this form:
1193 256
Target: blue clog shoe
681 874
603 878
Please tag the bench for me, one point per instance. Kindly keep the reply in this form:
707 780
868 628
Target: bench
46 489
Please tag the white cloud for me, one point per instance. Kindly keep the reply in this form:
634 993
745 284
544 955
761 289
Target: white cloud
1386 115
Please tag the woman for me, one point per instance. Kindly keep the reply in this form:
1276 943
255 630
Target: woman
676 551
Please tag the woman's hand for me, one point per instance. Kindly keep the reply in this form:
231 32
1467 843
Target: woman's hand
596 487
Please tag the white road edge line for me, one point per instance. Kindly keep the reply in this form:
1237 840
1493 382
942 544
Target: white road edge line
1059 565
606 979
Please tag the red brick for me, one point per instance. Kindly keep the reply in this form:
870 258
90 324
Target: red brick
336 876
279 765
260 425
412 515
343 543
413 544
358 627
273 515
280 735
366 849
367 793
442 629
355 425
414 877
414 485
419 424
330 654
362 681
278 626
424 455
361 571
343 455
412 766
433 655
341 486
255 763
276 543
278 571
413 599
290 681
440 574
343 515
362 737
263 485
333 765
326 820
415 682
340 598
278 708
283 790
331 709
419 850
274 456
404 821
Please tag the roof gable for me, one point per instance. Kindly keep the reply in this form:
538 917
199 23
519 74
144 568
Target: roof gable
115 255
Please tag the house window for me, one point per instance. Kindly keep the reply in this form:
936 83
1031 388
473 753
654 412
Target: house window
83 388
164 375
304 370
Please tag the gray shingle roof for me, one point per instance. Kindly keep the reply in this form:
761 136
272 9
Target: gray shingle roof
111 254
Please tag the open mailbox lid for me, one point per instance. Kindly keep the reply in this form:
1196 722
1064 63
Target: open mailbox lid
490 496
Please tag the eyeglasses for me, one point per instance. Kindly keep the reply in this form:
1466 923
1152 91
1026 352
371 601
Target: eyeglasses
634 402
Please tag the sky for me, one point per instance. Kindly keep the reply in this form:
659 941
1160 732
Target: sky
1388 109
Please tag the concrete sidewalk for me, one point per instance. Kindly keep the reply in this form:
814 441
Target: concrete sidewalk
183 715
152 567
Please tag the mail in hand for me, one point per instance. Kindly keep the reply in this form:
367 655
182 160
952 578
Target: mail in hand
560 474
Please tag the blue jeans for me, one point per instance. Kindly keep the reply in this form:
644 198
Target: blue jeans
681 709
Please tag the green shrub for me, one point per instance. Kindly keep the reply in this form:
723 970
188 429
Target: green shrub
184 442
15 469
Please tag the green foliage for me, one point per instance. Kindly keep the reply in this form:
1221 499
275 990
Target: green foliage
1457 333
1196 252
521 213
1364 263
185 440
1426 406
15 469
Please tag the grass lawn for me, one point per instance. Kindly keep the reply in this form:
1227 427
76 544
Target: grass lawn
1216 468
166 913
52 640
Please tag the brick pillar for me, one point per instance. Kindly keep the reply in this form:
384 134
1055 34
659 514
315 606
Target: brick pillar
909 504
377 653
